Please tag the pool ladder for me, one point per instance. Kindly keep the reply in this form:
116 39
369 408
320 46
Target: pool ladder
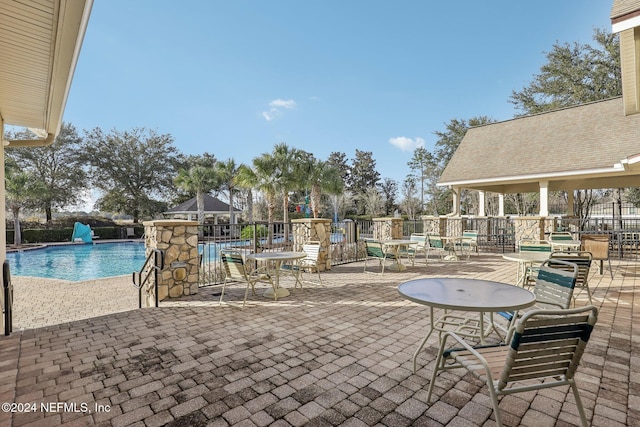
153 264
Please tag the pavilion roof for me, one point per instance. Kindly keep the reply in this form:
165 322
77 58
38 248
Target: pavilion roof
592 145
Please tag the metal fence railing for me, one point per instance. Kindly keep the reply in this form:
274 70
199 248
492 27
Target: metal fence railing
495 235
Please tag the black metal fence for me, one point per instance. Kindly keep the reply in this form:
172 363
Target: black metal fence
495 235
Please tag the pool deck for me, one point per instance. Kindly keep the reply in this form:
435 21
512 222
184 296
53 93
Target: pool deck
333 355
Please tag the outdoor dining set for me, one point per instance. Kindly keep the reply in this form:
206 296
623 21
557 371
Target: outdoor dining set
541 331
520 336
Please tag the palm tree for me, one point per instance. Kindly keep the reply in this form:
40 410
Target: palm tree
264 177
199 179
321 176
227 172
289 161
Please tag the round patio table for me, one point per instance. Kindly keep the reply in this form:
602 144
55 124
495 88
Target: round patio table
396 246
275 259
461 294
524 259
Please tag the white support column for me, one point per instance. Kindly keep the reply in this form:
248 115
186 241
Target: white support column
482 211
500 204
544 198
455 191
570 201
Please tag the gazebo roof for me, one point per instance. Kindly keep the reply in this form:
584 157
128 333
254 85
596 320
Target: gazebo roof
589 146
212 205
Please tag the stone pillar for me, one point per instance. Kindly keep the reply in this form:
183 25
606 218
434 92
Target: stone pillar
179 241
482 211
452 225
431 224
500 204
387 228
314 229
533 227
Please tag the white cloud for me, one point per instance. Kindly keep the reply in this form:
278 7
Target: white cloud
288 104
276 107
271 114
406 144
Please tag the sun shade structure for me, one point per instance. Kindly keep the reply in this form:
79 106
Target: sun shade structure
588 146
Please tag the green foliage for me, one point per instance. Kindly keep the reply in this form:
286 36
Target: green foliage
422 165
134 170
363 173
632 195
247 232
574 74
57 169
47 235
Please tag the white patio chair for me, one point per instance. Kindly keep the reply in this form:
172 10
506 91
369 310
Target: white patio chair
553 289
307 264
236 271
421 246
376 251
543 352
583 260
435 245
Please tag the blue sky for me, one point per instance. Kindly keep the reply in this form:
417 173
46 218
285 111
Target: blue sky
234 78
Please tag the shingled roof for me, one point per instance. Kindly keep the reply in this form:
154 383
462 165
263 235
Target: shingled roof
211 205
589 146
620 8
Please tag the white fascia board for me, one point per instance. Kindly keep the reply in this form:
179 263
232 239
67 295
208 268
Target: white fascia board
625 25
618 167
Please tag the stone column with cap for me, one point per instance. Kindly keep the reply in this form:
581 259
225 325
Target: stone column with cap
179 241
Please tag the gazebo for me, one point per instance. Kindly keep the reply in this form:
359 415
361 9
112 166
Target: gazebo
589 146
213 207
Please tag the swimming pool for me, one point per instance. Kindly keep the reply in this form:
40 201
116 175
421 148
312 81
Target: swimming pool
78 262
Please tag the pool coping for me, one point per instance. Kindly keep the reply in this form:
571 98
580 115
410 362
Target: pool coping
37 246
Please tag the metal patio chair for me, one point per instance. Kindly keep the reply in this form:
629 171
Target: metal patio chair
236 271
544 351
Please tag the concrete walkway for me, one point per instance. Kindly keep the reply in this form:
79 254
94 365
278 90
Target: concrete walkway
336 355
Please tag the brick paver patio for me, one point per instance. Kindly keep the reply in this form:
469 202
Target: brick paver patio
336 355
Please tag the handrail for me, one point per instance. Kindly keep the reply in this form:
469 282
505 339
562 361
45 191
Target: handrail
157 257
7 308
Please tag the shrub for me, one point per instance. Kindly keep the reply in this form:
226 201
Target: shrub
247 232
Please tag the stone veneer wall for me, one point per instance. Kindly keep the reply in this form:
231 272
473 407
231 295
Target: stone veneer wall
387 228
314 229
179 241
431 224
533 227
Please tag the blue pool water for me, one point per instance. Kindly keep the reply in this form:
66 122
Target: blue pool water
78 262
93 261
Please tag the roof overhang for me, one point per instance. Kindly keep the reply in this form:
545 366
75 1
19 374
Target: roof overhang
626 173
40 44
